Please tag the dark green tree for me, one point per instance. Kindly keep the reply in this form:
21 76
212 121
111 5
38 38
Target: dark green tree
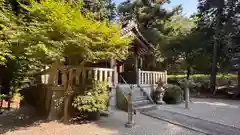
152 20
49 32
220 18
151 17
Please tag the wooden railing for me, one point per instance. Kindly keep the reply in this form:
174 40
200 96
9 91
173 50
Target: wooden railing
77 75
151 77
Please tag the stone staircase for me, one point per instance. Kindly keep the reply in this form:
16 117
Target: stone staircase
141 100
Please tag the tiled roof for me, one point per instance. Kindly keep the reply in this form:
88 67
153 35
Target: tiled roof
131 29
128 28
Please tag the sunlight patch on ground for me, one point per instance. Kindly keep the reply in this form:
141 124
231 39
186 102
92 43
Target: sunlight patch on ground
53 128
216 104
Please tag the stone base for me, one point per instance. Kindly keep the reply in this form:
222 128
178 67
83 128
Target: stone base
160 102
129 124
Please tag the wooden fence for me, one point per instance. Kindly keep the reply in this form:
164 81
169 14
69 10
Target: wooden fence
151 77
77 75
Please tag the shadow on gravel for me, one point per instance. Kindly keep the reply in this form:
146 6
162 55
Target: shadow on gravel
18 119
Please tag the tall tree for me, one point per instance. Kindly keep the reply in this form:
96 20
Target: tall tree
221 19
51 31
150 15
186 51
151 18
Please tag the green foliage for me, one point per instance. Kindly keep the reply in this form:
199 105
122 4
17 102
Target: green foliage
226 76
156 24
50 31
3 97
225 33
8 33
182 44
151 17
93 99
58 26
184 83
101 9
173 94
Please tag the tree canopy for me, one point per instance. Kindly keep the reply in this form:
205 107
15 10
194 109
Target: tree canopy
50 31
151 17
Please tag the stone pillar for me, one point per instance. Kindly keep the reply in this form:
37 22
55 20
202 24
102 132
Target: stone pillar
113 65
112 94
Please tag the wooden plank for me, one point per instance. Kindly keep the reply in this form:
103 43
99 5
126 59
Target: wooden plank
90 74
152 80
95 74
111 78
106 75
115 77
102 69
159 76
77 76
145 76
100 75
148 78
155 78
166 77
138 77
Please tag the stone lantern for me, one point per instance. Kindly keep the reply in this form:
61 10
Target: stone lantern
159 93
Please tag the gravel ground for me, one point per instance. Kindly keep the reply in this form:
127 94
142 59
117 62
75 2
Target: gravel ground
225 112
25 123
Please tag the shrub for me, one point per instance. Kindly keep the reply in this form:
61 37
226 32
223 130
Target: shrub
93 99
173 94
203 76
204 85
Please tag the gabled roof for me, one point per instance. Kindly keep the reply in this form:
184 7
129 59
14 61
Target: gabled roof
131 29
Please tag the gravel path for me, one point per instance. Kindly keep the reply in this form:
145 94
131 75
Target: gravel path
25 123
225 112
193 123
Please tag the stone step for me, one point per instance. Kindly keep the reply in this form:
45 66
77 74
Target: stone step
141 103
137 92
139 98
147 107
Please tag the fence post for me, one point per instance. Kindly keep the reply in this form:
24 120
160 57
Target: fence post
113 65
187 97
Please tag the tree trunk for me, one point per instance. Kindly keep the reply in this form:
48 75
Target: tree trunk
66 109
215 48
9 103
10 97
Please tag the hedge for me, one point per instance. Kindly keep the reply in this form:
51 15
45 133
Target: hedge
225 76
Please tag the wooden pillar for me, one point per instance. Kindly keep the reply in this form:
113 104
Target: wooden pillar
141 62
113 65
136 68
112 99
